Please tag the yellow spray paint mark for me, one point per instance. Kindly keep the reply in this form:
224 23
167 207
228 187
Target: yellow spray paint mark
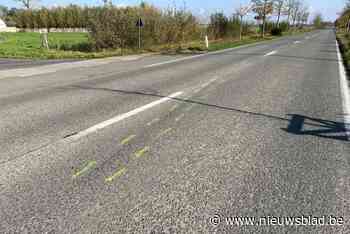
91 165
141 152
179 118
128 139
174 108
116 175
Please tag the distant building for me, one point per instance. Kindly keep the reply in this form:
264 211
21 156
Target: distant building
2 24
4 28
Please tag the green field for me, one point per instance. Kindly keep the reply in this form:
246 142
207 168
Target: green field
62 45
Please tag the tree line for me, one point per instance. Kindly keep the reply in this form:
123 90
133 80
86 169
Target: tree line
72 16
288 13
343 21
115 27
295 11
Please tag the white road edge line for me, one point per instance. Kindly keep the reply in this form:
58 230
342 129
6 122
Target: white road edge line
271 53
210 53
345 91
121 117
204 85
174 61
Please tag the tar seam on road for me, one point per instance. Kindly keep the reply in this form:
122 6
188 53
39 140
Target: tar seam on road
122 117
345 92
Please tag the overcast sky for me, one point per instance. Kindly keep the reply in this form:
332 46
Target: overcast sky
328 8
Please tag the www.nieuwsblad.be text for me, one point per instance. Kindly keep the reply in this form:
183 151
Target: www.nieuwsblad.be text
330 220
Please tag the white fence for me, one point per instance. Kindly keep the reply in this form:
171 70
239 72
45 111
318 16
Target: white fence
81 30
9 29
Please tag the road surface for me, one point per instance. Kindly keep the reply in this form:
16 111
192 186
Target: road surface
21 63
169 144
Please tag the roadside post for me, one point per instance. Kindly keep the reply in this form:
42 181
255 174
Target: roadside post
206 42
44 39
139 24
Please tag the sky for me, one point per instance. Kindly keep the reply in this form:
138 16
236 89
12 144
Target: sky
328 8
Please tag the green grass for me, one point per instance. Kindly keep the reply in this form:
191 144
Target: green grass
65 45
344 42
199 47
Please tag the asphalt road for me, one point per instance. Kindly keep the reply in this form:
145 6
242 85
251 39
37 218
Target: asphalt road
21 63
164 144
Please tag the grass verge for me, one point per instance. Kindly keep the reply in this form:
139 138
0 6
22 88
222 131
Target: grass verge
344 44
71 45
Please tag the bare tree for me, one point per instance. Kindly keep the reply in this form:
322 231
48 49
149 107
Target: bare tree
303 15
263 8
295 11
279 5
26 3
306 16
241 12
107 3
290 6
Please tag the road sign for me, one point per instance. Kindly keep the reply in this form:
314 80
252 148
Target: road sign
139 23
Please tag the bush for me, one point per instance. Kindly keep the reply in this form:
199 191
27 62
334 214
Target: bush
219 25
112 27
223 27
284 26
276 32
82 47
